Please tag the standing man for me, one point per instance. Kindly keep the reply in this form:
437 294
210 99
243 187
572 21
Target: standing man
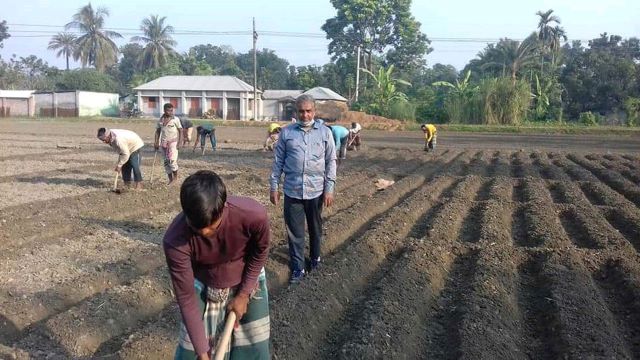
306 154
430 136
340 136
187 130
128 145
202 132
216 249
169 136
354 136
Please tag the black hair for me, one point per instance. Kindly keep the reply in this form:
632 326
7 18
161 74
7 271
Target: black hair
101 132
168 106
353 124
202 197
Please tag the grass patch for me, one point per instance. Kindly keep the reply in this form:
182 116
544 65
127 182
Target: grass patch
535 128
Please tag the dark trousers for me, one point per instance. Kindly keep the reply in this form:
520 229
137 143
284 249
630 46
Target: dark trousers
430 145
212 138
296 211
342 152
132 167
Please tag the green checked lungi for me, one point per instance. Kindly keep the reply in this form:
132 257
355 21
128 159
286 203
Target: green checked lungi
249 341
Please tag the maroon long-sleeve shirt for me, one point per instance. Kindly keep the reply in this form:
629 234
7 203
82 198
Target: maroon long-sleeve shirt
233 257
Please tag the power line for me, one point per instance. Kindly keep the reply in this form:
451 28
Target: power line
179 31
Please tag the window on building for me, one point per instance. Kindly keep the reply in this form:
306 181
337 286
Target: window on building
152 102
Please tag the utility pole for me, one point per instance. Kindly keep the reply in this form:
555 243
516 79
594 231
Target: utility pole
255 73
357 74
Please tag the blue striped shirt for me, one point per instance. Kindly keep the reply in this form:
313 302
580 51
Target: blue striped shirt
307 159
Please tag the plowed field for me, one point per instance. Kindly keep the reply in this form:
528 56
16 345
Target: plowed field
511 248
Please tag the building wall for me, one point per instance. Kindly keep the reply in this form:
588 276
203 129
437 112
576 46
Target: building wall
15 107
231 105
55 104
97 104
271 109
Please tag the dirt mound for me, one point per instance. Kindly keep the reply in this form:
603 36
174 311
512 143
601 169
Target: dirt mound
330 110
370 121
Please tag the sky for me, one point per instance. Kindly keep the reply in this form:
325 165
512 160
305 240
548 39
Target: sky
458 29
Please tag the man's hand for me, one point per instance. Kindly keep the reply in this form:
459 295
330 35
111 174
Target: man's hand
274 197
204 356
239 305
118 168
328 199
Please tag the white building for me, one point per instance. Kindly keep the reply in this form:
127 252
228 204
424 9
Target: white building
230 97
16 103
279 104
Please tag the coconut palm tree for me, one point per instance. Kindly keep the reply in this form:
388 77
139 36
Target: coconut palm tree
513 55
65 43
548 34
554 46
158 42
95 47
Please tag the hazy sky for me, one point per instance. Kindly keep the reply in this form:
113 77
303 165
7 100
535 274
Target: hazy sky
445 22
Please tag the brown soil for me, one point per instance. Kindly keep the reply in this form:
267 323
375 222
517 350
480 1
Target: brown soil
493 248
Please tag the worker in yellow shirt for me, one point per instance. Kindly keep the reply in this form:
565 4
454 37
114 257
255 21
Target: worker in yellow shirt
430 135
272 137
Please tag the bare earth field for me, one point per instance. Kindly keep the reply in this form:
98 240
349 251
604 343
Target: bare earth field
494 247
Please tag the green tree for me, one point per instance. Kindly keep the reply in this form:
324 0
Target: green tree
95 47
190 65
548 34
65 43
129 64
306 77
222 59
272 69
382 27
4 32
601 77
172 67
511 55
88 80
157 40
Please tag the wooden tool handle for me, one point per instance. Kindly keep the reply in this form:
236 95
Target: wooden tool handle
115 181
222 345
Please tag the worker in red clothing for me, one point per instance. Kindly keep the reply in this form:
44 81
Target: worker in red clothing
216 249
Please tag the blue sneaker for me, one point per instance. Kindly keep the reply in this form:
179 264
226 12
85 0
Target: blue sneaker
296 277
315 263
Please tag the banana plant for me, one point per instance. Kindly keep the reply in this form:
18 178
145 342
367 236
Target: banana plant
462 88
541 96
386 92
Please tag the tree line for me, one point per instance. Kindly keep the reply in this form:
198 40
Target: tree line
541 78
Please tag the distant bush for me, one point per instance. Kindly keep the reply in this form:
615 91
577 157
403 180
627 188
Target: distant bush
497 101
503 102
588 118
402 110
87 80
632 108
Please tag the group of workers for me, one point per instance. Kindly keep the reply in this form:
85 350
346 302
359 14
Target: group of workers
217 247
344 139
